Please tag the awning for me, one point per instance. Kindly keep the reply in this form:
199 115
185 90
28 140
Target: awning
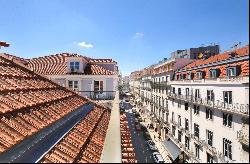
173 150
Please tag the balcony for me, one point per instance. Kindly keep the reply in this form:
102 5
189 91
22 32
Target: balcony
174 122
160 84
226 80
242 109
98 95
188 133
243 137
211 150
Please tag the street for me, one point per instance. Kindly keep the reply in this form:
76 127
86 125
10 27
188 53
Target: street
142 152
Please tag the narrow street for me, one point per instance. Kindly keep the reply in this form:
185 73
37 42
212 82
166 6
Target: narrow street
143 153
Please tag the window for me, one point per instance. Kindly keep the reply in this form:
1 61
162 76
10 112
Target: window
199 75
227 148
187 91
186 106
231 72
74 66
73 85
210 95
227 97
172 116
173 90
179 91
213 73
209 138
186 124
227 119
210 158
189 76
98 85
173 130
197 94
179 120
187 142
197 151
179 104
209 114
196 130
179 136
196 109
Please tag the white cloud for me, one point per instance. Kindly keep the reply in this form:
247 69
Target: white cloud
85 45
138 35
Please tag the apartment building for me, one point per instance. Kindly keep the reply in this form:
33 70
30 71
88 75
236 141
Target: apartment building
209 108
134 84
200 108
94 78
154 86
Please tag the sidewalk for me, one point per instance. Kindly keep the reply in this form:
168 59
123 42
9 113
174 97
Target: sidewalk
158 143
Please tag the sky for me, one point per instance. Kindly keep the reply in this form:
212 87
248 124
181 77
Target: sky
135 33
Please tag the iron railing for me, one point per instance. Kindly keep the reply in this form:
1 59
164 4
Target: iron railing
235 107
98 95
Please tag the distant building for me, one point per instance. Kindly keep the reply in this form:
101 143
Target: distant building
193 53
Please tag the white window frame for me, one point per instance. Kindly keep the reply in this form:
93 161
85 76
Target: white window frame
75 85
213 73
74 65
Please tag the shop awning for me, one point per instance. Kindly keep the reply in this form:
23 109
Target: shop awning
173 150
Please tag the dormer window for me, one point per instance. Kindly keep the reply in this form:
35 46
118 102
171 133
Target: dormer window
189 76
74 66
231 71
199 75
213 73
183 76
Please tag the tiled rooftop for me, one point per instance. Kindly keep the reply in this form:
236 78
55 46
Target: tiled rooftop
128 153
224 56
56 65
30 102
243 65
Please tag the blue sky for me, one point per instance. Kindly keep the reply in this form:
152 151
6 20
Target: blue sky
136 33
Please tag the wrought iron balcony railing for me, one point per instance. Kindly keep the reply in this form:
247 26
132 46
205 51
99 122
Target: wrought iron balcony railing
234 107
98 95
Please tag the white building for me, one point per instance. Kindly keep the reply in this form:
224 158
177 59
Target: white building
201 109
209 108
95 78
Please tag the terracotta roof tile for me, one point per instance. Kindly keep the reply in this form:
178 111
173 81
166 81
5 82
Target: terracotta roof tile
56 65
30 102
224 56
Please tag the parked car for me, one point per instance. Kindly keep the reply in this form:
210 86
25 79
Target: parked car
151 145
147 136
157 157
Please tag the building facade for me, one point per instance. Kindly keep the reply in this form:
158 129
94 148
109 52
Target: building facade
94 78
201 107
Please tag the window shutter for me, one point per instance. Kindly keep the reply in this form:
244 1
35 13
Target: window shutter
203 74
230 119
238 70
218 72
224 119
207 113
